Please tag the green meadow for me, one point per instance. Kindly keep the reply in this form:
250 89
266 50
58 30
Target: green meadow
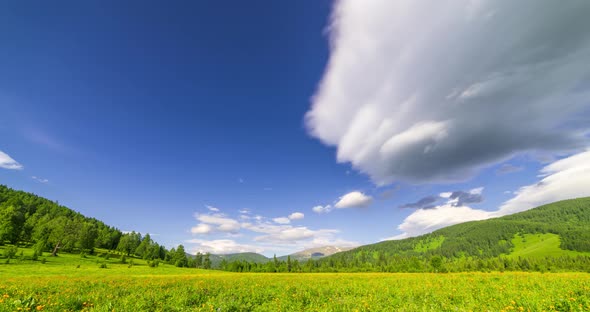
72 282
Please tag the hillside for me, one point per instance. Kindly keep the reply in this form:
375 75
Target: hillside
251 257
315 253
30 221
558 229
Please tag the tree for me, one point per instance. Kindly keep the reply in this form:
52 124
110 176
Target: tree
199 260
87 236
207 262
436 263
11 224
144 246
179 257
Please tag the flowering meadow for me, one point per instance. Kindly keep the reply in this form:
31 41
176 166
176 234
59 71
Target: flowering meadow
88 287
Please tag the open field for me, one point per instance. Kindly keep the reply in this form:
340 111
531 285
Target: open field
60 285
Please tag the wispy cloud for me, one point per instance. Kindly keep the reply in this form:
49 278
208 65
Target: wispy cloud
40 180
7 162
508 168
322 209
211 208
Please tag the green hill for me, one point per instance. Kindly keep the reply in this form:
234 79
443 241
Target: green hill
242 256
558 229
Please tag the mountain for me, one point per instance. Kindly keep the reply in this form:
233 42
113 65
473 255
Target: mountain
250 257
558 229
315 253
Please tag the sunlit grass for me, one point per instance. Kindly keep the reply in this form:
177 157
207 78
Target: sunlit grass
540 245
73 283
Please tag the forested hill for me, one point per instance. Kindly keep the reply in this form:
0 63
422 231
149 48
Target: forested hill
28 219
568 219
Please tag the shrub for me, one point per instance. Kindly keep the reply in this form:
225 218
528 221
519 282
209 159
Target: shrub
103 266
10 252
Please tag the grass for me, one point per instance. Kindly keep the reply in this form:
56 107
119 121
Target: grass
540 245
429 244
72 283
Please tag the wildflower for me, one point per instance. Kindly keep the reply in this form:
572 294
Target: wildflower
39 307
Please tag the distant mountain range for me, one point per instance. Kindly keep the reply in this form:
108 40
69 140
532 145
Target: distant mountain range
312 253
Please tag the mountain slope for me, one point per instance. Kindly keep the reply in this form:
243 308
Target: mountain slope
568 221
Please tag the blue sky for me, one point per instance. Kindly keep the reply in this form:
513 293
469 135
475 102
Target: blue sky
273 126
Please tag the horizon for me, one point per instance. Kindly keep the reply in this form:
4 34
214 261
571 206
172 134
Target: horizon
274 128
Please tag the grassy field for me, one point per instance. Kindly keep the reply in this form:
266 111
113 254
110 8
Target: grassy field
73 283
540 245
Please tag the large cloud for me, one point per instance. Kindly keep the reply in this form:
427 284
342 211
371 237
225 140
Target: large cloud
435 90
564 179
7 162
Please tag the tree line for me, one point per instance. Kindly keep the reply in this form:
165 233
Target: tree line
413 264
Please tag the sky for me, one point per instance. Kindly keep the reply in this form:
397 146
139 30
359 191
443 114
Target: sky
275 126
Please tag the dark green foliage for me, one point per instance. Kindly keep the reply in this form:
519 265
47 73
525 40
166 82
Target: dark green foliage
28 218
50 227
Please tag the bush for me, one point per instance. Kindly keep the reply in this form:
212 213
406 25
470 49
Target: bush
103 266
123 259
43 260
10 252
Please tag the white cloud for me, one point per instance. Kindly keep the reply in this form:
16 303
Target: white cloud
445 194
322 209
427 220
282 234
282 220
211 208
215 223
353 200
273 234
472 84
40 180
202 228
7 162
220 246
296 216
564 179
